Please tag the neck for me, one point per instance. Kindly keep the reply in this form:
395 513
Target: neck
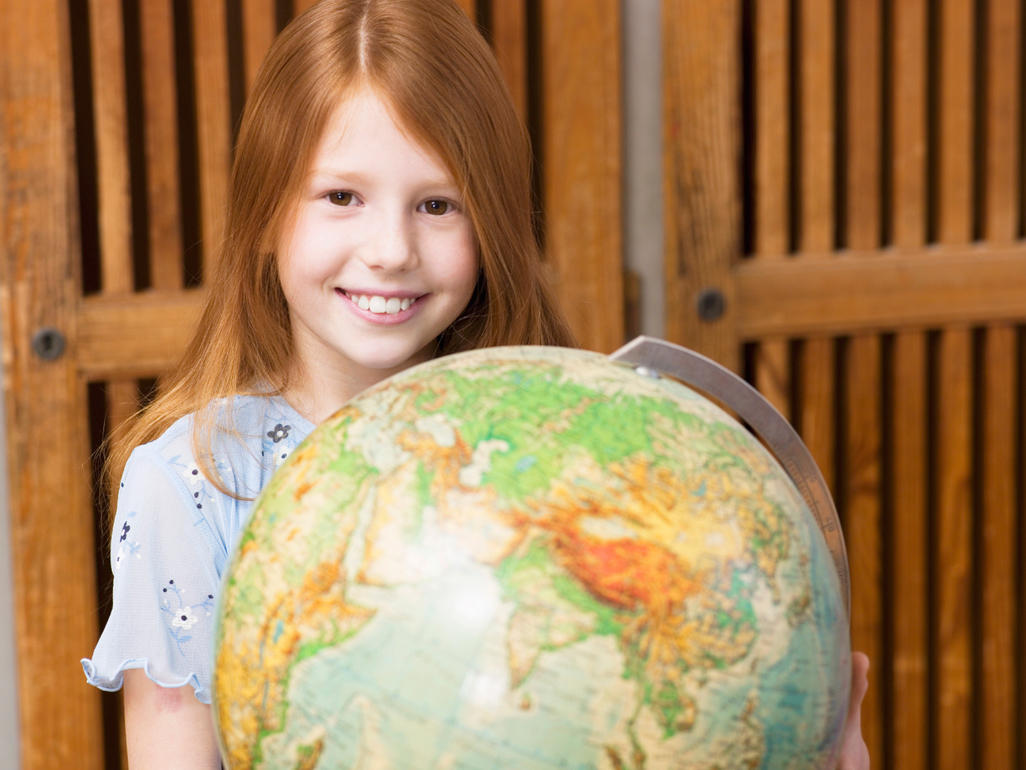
319 394
317 399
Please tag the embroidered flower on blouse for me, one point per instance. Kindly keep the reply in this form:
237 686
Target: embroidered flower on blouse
125 550
126 547
184 618
280 432
193 475
181 616
280 457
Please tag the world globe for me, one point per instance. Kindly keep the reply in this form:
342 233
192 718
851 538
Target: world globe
529 558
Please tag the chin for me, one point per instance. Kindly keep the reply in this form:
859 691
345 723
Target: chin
386 363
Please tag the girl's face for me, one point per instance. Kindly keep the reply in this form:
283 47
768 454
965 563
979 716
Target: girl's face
380 256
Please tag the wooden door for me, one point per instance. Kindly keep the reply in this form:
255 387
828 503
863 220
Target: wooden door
117 122
845 221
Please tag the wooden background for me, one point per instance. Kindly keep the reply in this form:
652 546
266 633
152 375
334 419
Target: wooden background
844 217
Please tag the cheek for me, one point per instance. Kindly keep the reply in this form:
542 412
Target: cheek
464 262
305 256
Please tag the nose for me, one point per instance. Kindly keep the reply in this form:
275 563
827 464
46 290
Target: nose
392 246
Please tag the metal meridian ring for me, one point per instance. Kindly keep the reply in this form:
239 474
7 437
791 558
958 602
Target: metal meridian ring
783 442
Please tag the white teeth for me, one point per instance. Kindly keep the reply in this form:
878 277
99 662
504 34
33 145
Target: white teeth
379 304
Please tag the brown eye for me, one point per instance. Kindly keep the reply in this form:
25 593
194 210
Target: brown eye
340 198
437 207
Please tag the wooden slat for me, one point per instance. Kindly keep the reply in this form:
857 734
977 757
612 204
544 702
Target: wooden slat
163 193
772 126
996 477
582 165
301 5
210 43
909 528
509 40
817 135
1020 471
998 569
954 188
106 33
908 46
863 27
860 502
952 717
886 290
258 30
138 335
122 401
952 577
1003 125
468 7
701 151
52 537
772 365
909 532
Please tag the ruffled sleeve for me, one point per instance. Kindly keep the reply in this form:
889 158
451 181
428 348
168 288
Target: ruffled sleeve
164 553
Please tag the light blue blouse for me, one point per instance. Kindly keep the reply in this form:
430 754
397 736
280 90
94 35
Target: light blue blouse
172 539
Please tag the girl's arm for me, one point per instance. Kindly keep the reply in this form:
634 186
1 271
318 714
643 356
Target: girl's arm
167 727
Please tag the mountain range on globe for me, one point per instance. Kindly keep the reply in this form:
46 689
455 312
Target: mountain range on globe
531 558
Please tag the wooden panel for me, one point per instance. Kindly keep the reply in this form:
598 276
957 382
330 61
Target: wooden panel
907 502
997 474
137 335
772 365
816 178
509 40
468 7
953 524
52 548
860 490
210 43
163 194
701 189
895 290
581 154
106 34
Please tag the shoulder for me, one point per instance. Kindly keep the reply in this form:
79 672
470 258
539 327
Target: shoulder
245 437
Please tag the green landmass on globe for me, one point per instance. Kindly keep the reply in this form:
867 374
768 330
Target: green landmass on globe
531 558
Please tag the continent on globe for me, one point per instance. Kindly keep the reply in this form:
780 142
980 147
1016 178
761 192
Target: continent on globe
531 558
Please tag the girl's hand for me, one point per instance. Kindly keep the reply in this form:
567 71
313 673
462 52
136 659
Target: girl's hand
854 752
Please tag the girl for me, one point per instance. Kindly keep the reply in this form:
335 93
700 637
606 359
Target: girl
380 215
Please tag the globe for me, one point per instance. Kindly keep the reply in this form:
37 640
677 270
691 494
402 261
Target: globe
531 558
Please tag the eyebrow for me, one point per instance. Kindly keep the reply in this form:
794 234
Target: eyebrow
347 176
361 179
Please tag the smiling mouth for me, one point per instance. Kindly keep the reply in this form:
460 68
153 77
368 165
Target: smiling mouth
379 305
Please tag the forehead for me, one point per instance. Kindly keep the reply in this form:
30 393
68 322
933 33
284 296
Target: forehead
363 130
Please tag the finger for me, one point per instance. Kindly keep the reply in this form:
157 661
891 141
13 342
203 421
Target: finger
854 752
859 679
